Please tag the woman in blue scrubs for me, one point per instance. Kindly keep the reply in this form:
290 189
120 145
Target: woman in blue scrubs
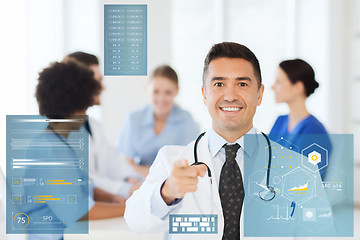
160 123
295 82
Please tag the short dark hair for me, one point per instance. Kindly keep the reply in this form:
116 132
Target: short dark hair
167 72
233 50
299 70
84 58
65 88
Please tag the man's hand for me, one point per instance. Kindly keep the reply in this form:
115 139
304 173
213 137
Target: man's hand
183 179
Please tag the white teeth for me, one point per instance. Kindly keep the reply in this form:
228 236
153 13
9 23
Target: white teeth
231 109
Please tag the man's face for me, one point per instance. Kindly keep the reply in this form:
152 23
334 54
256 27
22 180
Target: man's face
98 77
231 94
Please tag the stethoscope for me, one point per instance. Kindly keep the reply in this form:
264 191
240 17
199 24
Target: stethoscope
266 194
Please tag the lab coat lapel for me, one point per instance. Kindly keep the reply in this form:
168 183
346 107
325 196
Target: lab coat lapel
251 143
203 186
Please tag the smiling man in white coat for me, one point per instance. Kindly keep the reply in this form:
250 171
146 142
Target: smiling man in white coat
231 90
216 185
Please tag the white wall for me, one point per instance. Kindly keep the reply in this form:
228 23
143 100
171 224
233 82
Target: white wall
353 53
13 65
312 44
191 37
43 44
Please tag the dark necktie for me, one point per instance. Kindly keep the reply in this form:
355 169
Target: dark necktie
231 190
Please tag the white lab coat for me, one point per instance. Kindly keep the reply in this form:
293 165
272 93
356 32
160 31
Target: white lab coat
108 169
138 212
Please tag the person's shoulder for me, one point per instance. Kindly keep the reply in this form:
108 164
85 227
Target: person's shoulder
282 118
314 126
45 135
279 123
139 113
94 123
182 114
47 138
313 119
97 132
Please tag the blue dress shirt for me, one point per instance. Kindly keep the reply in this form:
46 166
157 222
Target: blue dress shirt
138 140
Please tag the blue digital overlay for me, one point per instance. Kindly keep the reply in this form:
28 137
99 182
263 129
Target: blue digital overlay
290 197
193 223
125 40
46 175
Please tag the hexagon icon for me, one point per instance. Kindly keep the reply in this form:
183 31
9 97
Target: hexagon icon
299 185
309 214
314 157
316 216
336 186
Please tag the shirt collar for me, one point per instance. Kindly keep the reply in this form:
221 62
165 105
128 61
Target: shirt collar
216 142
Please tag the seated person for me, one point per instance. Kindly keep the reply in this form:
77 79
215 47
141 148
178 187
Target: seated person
64 91
108 169
160 123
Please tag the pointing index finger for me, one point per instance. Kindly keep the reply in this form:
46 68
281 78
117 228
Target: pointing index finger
181 163
202 168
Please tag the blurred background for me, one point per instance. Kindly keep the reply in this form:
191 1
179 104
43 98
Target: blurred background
325 33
